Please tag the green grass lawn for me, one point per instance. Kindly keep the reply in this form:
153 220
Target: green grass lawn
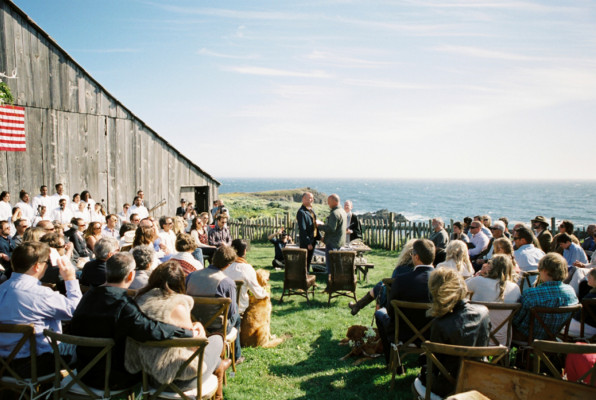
307 365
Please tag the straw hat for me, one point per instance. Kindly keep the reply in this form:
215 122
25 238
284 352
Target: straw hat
541 219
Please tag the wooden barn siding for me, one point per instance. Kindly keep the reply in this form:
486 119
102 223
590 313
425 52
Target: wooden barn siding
78 134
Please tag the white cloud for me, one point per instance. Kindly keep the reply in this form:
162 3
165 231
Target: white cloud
206 52
484 53
263 71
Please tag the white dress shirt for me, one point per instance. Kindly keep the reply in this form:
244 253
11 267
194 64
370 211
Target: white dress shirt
26 210
169 239
63 216
239 271
40 200
141 211
5 210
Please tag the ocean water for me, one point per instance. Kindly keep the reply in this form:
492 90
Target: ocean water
453 199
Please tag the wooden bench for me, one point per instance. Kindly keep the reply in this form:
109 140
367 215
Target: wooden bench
496 382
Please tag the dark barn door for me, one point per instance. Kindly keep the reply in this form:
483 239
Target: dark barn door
202 198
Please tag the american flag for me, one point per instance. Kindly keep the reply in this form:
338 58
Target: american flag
12 128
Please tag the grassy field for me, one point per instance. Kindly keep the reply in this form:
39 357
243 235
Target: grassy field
307 365
257 205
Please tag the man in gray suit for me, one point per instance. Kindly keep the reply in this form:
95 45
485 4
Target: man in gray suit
335 228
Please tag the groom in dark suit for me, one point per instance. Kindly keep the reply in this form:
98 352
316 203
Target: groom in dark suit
410 286
307 226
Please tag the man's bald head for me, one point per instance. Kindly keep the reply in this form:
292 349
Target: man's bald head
333 200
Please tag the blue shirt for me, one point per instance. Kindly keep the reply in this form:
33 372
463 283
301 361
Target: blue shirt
23 300
548 294
574 253
527 257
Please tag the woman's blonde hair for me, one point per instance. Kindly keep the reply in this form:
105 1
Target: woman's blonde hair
405 257
457 251
505 245
501 270
447 288
179 225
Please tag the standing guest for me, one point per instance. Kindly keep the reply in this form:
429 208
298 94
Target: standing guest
94 272
42 199
56 197
138 208
220 235
26 209
6 246
457 259
86 197
458 233
241 270
141 195
107 312
452 312
567 227
334 229
307 226
479 240
572 252
92 234
545 238
279 239
200 234
440 237
123 215
42 215
21 226
185 246
213 282
167 235
74 204
5 207
23 300
143 256
83 212
62 213
551 293
110 230
410 286
354 230
76 236
180 211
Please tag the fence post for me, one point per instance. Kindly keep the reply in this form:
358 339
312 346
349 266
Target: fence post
391 231
552 224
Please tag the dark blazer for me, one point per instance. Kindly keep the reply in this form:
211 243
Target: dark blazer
180 211
410 286
80 247
306 227
545 239
355 227
107 312
94 273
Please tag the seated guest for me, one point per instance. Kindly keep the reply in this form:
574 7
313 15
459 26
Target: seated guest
589 245
200 233
92 234
486 224
571 252
76 236
6 246
279 240
185 247
545 238
126 227
143 256
497 286
379 291
163 299
457 259
590 323
458 233
94 272
146 236
213 282
479 241
23 300
526 254
567 227
107 312
241 270
457 323
58 249
167 235
410 286
111 228
220 235
551 293
440 238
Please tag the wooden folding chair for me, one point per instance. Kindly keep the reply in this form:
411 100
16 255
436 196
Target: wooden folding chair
204 390
464 352
239 285
541 347
588 308
526 279
496 312
342 275
72 386
212 312
497 382
9 378
400 349
296 277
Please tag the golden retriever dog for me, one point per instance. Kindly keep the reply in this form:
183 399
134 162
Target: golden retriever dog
365 342
255 328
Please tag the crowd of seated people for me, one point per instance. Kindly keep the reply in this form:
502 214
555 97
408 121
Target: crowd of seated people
84 248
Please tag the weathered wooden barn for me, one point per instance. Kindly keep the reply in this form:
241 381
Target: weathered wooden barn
78 134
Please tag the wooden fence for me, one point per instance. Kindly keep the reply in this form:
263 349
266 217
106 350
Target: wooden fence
382 233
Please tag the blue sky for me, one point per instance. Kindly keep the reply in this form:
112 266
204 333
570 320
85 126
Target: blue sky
382 89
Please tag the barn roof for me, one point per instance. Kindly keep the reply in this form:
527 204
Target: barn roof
46 36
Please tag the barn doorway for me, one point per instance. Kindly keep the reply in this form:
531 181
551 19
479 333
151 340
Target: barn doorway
202 199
